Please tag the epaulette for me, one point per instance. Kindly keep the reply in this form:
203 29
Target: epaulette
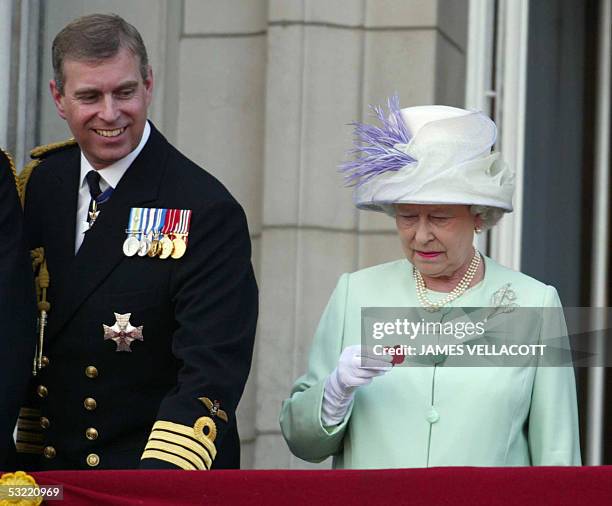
46 149
37 155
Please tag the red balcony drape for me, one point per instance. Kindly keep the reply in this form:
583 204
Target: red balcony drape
458 486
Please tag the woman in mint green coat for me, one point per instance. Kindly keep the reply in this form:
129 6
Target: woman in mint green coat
432 169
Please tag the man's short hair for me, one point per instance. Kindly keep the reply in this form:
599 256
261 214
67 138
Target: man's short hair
94 38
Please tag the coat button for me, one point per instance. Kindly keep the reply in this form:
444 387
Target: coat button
91 434
44 422
92 460
432 416
90 404
49 452
42 391
44 361
91 372
439 359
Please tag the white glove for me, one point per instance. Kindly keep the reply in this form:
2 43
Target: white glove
357 366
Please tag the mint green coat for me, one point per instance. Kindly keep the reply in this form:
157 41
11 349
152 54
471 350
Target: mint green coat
434 416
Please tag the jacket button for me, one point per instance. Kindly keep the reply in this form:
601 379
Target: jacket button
432 416
92 460
44 422
91 372
49 452
44 361
90 404
42 391
438 359
91 434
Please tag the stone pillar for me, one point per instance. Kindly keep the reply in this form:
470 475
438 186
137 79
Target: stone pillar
6 15
19 27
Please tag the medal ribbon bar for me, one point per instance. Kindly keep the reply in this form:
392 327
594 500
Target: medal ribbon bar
167 246
185 223
132 243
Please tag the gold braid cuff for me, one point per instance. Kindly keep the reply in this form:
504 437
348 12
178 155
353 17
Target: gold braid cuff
30 435
177 450
189 432
168 457
181 442
187 443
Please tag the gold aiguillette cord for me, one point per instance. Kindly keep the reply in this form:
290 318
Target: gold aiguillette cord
42 284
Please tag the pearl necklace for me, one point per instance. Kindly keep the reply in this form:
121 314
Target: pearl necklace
459 290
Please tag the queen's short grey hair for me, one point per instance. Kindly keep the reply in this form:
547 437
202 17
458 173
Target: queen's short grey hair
489 215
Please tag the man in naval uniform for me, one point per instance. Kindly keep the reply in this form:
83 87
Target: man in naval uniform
17 312
146 352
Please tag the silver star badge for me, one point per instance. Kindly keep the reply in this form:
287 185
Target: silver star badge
93 216
122 332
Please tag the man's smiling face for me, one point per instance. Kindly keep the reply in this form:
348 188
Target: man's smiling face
105 105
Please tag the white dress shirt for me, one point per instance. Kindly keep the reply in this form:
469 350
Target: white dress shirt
109 178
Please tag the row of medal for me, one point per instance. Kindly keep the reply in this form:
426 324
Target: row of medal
158 233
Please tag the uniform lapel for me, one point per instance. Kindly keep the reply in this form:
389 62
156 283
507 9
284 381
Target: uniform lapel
101 250
61 228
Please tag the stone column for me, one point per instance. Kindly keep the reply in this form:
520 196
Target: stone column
6 15
19 24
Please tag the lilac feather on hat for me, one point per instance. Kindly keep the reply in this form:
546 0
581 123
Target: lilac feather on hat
375 146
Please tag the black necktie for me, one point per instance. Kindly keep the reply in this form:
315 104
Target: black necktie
93 181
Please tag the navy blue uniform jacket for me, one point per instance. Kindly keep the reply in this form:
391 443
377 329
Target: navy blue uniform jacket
100 408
